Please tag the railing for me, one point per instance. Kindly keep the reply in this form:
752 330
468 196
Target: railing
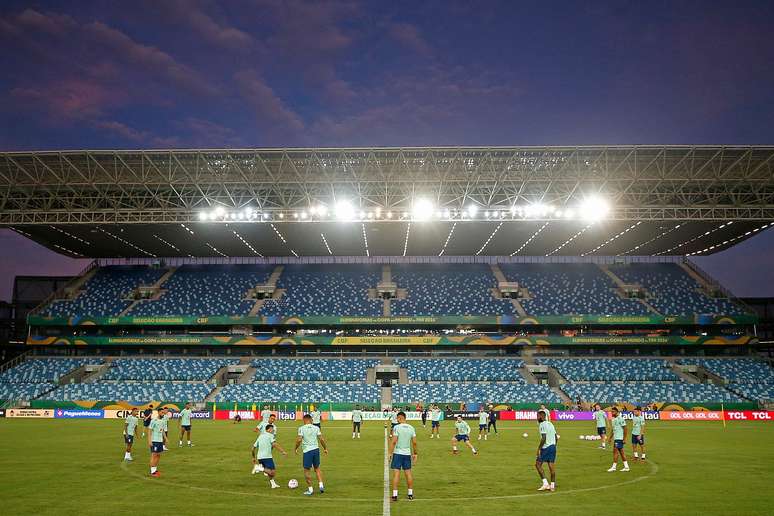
14 361
60 292
716 284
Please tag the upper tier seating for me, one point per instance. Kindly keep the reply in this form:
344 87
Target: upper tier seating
735 370
206 290
462 370
474 392
319 290
43 370
567 288
104 294
166 369
644 392
142 392
447 289
674 291
323 369
300 392
23 391
602 369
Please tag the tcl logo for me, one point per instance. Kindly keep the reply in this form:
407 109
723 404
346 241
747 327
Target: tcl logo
762 415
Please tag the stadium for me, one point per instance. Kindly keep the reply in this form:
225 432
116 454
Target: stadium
488 280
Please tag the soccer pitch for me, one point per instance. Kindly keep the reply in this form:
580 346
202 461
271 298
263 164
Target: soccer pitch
76 467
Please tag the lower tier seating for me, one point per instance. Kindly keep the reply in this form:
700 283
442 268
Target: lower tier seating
462 370
23 391
41 370
474 392
613 369
306 392
646 392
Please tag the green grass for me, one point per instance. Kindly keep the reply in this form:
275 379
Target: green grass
75 467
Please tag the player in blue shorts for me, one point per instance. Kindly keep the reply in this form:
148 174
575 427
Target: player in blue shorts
435 422
546 451
309 435
130 428
618 437
264 445
600 418
638 434
462 436
157 441
403 451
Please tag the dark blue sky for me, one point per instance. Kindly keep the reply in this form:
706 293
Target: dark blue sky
252 73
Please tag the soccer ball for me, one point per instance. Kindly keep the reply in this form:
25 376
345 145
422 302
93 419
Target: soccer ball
581 437
525 435
292 483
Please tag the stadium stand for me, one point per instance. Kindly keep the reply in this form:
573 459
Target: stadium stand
44 370
293 392
205 290
602 369
312 369
131 391
737 370
646 392
754 391
474 392
23 391
319 290
564 289
104 294
167 369
462 370
673 291
447 289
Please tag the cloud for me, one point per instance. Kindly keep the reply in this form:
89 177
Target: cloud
205 133
409 36
268 107
195 17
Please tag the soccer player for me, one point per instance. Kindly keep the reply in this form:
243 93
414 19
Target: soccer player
130 426
166 418
185 424
638 434
265 413
157 441
317 418
600 417
619 436
309 434
393 419
462 436
424 417
492 421
147 416
357 419
482 420
264 444
546 451
546 412
261 428
435 422
403 451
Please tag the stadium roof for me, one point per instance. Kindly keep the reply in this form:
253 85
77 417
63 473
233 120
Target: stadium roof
596 200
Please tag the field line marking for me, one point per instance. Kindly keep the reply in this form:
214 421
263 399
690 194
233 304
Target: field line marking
653 471
386 497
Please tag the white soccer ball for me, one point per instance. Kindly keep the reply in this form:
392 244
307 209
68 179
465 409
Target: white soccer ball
292 483
525 435
581 437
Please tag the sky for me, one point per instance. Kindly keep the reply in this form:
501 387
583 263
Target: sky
254 73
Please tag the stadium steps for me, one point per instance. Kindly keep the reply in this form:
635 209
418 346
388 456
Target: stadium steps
527 375
272 280
559 392
706 285
386 396
248 375
157 285
621 284
98 373
500 277
678 370
212 395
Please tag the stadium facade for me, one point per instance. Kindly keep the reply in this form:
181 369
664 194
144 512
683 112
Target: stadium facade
531 274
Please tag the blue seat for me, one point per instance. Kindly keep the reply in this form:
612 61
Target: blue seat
300 393
605 369
166 369
473 392
462 370
735 370
141 392
322 369
44 370
646 392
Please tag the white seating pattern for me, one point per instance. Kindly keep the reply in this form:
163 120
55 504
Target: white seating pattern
296 392
143 392
166 369
474 392
463 370
324 369
646 392
737 370
620 369
42 370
